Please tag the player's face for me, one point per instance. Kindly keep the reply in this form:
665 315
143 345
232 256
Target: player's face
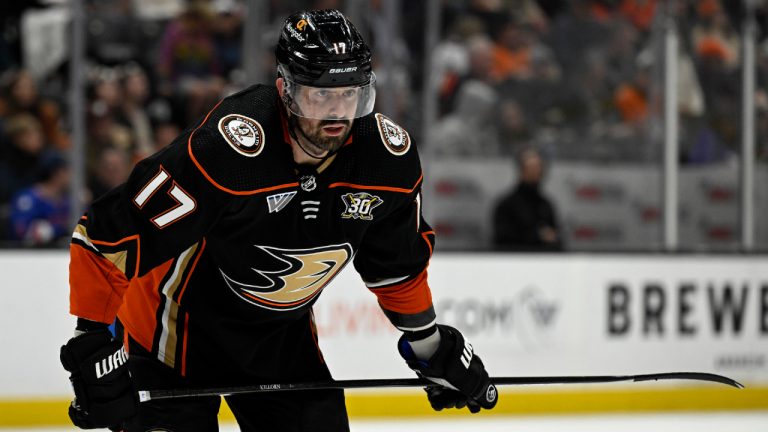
324 135
324 115
328 103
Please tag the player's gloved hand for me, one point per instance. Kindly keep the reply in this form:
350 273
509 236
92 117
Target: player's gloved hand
104 396
459 374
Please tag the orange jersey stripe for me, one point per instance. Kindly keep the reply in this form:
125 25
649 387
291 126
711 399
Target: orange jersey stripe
212 181
313 329
408 297
140 305
429 244
121 241
191 270
184 345
384 188
96 285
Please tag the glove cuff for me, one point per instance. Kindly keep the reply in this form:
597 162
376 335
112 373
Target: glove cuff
454 366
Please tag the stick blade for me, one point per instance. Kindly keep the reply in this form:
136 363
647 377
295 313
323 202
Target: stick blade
696 376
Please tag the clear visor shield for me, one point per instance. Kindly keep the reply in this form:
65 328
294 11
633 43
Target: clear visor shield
330 103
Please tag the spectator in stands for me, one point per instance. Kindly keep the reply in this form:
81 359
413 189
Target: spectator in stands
112 169
525 219
705 145
621 52
471 129
530 14
514 127
187 49
713 35
132 112
512 52
188 65
21 96
228 35
631 100
105 87
104 131
21 154
40 213
575 33
639 12
715 58
165 133
479 55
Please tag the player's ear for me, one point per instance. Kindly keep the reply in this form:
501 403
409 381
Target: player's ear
279 84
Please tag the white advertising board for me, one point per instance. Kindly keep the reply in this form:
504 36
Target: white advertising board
571 314
525 315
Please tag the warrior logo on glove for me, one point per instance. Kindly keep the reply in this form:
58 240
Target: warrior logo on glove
466 355
107 365
98 366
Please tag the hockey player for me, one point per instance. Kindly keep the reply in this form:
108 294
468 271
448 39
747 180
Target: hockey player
212 253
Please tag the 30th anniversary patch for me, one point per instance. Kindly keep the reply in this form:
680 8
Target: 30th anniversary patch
244 134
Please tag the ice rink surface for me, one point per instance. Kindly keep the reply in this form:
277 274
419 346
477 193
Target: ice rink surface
751 421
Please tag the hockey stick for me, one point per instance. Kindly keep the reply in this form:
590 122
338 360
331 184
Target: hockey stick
147 395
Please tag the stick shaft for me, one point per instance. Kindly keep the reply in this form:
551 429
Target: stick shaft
146 395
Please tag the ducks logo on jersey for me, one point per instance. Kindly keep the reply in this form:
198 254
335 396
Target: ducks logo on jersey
304 274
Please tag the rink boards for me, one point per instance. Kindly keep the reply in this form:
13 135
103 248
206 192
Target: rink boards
528 315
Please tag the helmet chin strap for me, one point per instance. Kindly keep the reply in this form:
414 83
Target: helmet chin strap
293 126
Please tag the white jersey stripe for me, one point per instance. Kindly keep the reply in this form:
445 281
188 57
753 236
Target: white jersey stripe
168 289
84 239
384 282
413 329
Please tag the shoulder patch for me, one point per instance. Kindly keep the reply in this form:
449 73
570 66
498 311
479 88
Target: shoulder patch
395 138
243 134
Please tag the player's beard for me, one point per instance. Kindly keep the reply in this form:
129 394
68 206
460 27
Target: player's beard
316 142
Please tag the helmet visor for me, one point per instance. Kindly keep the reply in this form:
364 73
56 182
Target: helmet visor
330 103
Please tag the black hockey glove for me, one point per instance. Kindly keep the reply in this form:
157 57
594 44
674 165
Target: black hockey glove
104 396
459 374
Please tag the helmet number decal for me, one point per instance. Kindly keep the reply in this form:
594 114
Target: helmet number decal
340 47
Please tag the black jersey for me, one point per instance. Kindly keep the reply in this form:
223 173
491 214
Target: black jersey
220 240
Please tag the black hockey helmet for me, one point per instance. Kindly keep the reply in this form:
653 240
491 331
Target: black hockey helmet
323 49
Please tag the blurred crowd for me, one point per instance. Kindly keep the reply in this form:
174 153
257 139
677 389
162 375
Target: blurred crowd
576 79
584 79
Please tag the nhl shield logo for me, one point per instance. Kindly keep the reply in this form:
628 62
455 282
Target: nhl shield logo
395 138
243 134
308 183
